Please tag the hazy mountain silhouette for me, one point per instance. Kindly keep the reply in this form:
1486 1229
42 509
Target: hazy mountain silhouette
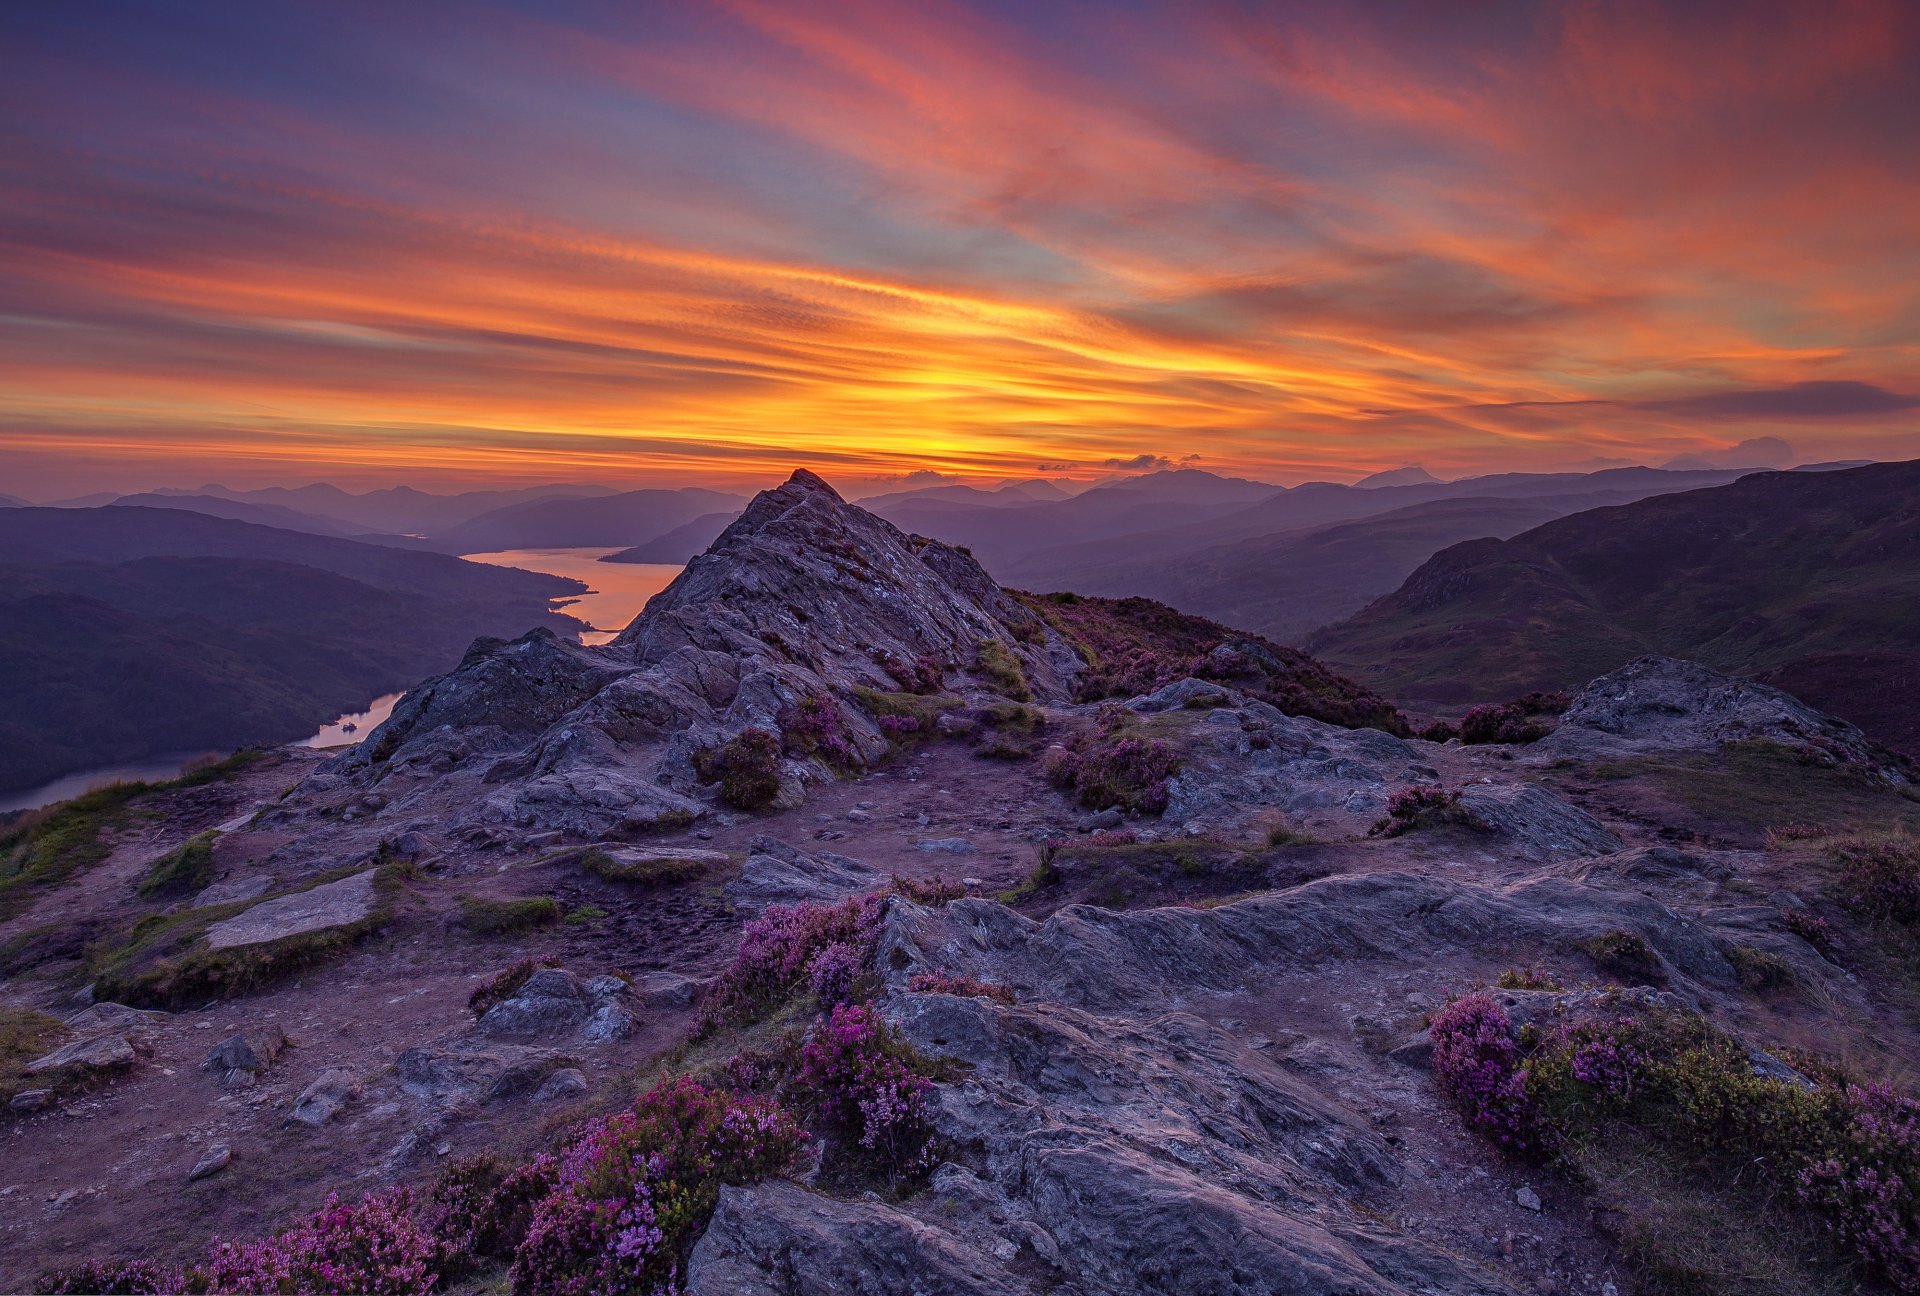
1810 580
626 518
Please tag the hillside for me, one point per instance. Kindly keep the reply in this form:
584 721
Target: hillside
1808 579
131 632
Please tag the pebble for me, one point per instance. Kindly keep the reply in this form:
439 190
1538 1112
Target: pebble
1527 1197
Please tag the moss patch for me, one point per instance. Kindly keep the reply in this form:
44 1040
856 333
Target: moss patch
503 917
182 871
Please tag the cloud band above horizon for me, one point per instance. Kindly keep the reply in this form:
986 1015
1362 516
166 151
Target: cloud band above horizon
705 243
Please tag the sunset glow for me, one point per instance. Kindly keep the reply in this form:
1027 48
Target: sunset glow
702 244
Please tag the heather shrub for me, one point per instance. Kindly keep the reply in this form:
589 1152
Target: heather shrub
778 948
860 1077
1113 837
505 984
1627 956
1477 1061
374 1247
632 1191
1528 978
479 1208
1847 1154
812 728
835 972
747 768
1123 773
1760 970
921 675
1439 731
943 982
1503 723
1423 805
1811 928
1880 874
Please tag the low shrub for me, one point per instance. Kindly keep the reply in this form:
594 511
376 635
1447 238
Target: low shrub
1125 773
998 664
858 1075
1502 723
1477 1062
632 1192
921 675
479 1208
1880 874
903 715
747 767
1423 805
1811 928
947 983
374 1246
1846 1154
24 1036
1438 732
506 983
503 917
182 871
1627 956
1528 978
812 727
1760 970
778 948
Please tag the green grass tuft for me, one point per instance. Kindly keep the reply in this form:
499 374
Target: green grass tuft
184 870
504 917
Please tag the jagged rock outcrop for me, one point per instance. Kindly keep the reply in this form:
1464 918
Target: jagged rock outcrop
803 594
1663 704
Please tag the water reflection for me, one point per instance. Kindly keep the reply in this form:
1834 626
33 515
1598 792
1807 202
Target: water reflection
354 726
615 591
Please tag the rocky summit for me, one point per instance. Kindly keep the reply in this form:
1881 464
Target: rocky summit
850 924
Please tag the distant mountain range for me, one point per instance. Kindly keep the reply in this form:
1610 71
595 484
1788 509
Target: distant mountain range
131 632
1807 580
626 518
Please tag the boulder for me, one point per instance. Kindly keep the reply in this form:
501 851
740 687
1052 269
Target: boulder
564 1085
554 1002
239 1058
323 1099
335 904
1663 704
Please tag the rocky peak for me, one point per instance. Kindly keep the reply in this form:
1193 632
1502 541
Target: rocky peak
804 596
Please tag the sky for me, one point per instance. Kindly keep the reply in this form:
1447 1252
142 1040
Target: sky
705 243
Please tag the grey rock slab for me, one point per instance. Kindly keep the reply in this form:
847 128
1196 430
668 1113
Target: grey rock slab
98 1054
777 873
233 890
332 904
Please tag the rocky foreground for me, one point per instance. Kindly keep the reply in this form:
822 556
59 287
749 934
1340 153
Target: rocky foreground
1086 949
